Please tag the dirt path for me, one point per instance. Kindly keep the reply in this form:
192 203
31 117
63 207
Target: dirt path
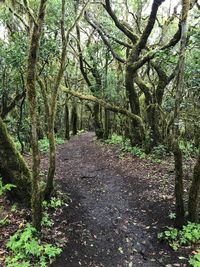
116 211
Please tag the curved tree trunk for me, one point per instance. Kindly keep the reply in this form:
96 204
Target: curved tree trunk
13 168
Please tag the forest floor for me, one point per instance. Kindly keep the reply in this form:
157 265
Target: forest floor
118 207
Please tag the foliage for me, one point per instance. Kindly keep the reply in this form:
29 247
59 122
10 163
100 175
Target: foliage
126 146
6 187
115 140
160 151
53 204
46 221
195 260
44 143
190 234
172 215
188 148
26 249
3 189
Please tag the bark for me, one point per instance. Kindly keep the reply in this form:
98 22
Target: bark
53 108
194 193
67 136
178 99
31 93
97 122
74 120
13 168
178 185
107 124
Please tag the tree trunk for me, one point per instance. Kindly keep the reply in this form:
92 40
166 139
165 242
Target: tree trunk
193 202
52 160
107 124
74 119
32 98
97 122
179 185
13 168
66 121
134 105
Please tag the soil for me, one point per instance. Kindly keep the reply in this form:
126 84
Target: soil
118 206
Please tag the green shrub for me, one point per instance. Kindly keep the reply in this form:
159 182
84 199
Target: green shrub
126 145
188 148
28 251
115 140
44 143
4 188
189 235
160 151
195 260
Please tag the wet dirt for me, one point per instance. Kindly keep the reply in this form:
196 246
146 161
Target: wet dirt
117 207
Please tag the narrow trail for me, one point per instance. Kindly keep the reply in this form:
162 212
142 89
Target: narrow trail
113 217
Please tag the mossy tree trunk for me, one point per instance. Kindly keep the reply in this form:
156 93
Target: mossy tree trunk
53 108
31 93
97 122
194 193
180 213
13 168
67 135
107 124
178 99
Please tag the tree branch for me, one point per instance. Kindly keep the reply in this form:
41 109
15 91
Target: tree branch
133 37
104 104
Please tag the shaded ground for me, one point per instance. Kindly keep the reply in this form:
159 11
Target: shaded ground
118 207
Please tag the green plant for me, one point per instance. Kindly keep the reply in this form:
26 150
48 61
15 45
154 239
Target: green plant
126 146
172 215
27 250
188 148
4 221
59 140
6 187
44 143
54 203
46 221
160 151
115 140
13 208
190 234
195 260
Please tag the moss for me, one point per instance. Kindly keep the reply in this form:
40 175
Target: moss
13 167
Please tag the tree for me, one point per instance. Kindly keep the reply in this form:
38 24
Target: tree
31 93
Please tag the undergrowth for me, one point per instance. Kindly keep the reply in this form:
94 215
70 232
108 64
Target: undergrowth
44 143
27 250
189 235
25 247
3 190
126 146
157 154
